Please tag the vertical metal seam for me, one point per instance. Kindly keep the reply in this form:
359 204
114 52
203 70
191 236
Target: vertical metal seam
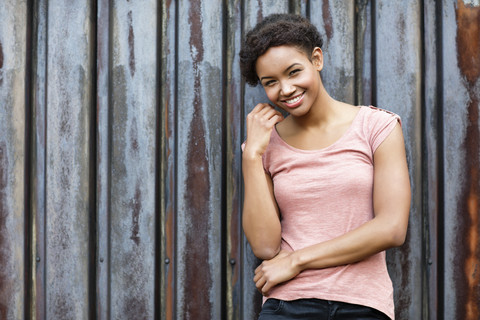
93 212
356 46
241 187
109 155
223 216
373 51
27 164
307 9
45 190
110 152
175 166
424 171
159 165
441 163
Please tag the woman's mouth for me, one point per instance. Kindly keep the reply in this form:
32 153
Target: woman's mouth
295 101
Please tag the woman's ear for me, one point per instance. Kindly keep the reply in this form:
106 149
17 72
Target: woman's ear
317 58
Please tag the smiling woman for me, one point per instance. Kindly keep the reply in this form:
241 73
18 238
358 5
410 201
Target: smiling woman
327 189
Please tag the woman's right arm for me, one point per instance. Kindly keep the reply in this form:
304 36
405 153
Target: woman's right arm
261 218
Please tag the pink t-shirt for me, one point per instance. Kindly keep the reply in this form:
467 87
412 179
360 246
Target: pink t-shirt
322 194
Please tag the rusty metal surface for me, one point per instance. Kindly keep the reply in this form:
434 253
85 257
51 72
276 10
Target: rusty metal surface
431 160
233 129
398 88
363 52
103 160
199 166
69 98
37 190
461 96
467 284
12 160
133 156
338 73
167 162
157 233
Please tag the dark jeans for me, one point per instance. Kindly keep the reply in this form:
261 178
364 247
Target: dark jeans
316 309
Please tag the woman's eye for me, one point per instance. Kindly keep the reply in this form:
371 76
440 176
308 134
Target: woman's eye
269 83
293 72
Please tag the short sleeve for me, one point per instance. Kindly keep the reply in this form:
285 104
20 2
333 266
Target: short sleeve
380 125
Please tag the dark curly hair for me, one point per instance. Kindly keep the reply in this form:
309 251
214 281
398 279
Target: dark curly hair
273 31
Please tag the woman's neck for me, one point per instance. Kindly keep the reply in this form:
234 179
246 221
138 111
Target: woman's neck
323 112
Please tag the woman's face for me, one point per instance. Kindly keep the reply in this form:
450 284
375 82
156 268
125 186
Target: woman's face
290 79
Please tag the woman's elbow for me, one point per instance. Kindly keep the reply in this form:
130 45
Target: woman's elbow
266 252
398 239
396 236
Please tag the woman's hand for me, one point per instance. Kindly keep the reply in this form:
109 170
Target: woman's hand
275 271
260 123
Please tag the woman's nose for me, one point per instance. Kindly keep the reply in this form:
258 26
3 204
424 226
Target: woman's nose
287 89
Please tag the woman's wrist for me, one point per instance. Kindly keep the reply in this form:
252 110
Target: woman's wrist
251 155
298 260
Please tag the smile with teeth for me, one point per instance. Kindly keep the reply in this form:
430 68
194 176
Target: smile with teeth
295 99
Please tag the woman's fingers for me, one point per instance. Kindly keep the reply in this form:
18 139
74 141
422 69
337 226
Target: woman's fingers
260 283
265 115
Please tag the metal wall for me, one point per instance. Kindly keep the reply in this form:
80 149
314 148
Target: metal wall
120 164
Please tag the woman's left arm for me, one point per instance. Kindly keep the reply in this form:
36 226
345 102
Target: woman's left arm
388 228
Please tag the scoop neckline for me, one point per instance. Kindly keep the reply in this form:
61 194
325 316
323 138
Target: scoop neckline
346 133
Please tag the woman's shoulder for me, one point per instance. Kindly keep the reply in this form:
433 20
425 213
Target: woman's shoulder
379 113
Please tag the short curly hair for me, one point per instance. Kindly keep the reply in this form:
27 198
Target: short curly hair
273 31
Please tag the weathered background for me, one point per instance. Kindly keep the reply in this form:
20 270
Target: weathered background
120 130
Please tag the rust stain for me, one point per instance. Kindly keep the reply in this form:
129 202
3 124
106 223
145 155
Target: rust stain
196 38
1 64
401 58
4 252
198 277
131 45
136 207
327 19
134 136
468 48
1 56
259 11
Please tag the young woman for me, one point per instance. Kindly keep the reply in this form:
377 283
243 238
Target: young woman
327 188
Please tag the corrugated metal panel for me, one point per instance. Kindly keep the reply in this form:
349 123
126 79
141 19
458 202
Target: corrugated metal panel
233 134
103 159
461 96
338 73
431 160
133 159
68 147
199 160
168 162
38 165
13 33
398 78
120 166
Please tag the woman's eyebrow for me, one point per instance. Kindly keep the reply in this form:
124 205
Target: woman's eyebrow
286 69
